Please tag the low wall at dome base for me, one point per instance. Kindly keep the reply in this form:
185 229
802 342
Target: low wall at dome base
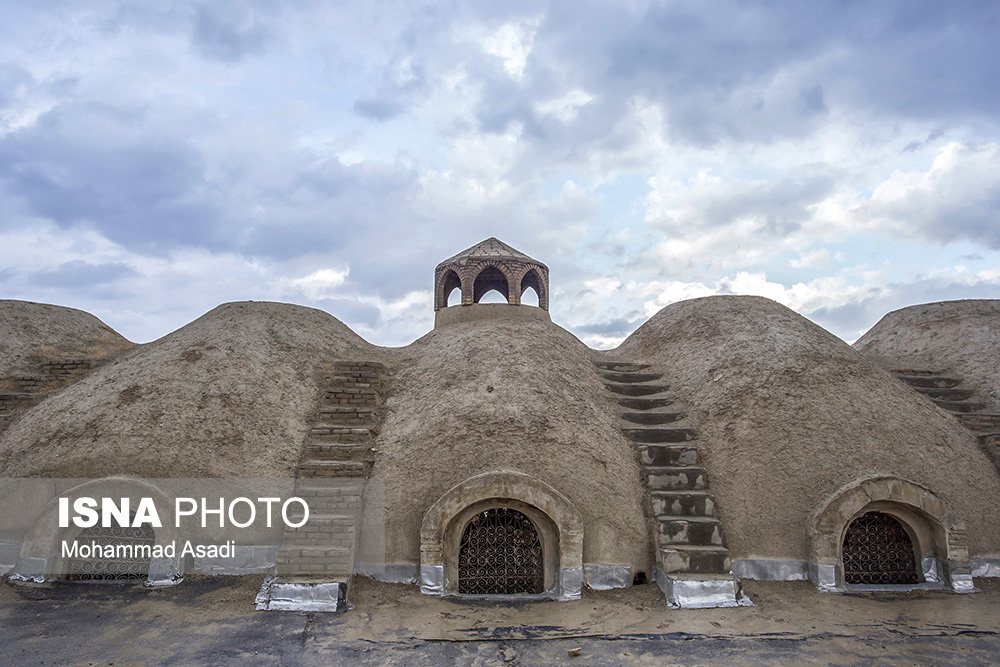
489 311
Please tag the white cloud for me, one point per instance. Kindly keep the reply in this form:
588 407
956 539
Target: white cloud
958 197
512 43
566 107
815 259
320 284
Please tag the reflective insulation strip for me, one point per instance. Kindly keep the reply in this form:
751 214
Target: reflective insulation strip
771 569
600 577
30 569
391 573
432 579
931 568
824 576
570 583
962 583
985 567
278 595
8 555
701 592
246 559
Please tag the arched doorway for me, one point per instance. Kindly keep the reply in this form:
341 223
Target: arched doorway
552 517
130 561
878 550
938 538
500 554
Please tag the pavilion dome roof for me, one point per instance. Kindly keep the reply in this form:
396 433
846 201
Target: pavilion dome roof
490 249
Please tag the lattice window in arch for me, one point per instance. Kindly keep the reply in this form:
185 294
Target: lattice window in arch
129 567
877 550
500 554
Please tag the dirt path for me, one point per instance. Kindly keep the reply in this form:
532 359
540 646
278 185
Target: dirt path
212 620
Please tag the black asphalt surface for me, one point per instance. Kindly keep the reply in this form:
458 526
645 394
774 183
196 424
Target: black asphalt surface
103 625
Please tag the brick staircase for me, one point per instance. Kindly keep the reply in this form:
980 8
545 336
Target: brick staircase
945 390
316 561
29 389
692 560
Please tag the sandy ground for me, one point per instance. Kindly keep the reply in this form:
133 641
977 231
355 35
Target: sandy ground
211 620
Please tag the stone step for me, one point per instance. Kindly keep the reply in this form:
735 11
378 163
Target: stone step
340 434
930 381
958 406
321 530
636 389
668 455
694 530
657 434
346 415
327 506
331 469
651 418
18 397
917 372
682 503
693 558
326 561
355 373
341 539
319 510
980 422
350 391
346 488
949 394
289 553
341 366
675 478
624 366
347 412
616 376
337 383
332 451
645 403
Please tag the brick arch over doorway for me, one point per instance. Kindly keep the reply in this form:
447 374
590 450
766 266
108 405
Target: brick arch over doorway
939 536
557 520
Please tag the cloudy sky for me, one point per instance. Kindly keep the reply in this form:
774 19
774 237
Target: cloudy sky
160 158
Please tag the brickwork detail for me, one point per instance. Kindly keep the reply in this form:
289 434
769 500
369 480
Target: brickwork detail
338 445
28 389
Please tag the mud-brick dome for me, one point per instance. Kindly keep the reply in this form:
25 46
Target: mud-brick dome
490 265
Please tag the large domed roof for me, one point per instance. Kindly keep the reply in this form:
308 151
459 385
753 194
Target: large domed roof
963 336
227 395
509 395
31 333
787 414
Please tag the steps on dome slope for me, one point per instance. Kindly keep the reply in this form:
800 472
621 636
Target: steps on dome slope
693 566
946 391
29 389
316 561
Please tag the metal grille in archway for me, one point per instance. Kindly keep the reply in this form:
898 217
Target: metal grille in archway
500 554
128 564
877 550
